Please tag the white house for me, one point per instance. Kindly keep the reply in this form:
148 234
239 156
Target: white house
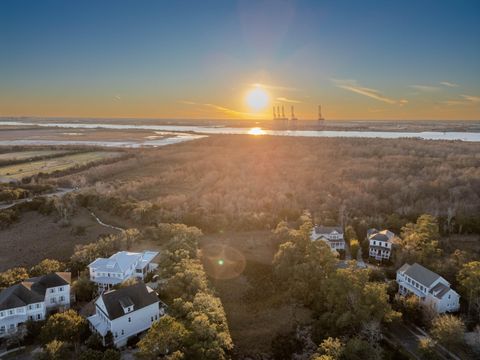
332 235
120 267
380 244
429 287
126 312
32 299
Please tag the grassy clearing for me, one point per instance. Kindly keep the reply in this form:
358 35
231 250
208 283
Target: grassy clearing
255 314
19 171
29 155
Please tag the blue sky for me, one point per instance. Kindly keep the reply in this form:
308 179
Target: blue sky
180 59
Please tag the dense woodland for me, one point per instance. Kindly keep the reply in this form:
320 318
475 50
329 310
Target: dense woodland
244 183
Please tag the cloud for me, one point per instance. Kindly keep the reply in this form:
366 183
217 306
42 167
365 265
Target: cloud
274 87
222 110
471 98
284 99
117 98
448 84
187 102
352 85
425 88
467 100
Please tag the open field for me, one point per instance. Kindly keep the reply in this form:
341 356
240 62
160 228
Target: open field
254 317
29 155
36 237
19 171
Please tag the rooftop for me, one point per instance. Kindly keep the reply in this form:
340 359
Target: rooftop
123 260
384 235
138 295
31 290
420 274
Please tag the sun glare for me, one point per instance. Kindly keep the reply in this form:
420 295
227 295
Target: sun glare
257 99
256 131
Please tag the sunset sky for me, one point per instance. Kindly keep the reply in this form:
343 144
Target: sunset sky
414 59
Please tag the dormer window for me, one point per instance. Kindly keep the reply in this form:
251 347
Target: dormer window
127 304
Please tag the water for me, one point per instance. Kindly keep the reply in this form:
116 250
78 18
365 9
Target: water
186 133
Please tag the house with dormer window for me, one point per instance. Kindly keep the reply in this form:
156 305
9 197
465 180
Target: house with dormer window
121 266
126 312
430 288
33 299
331 235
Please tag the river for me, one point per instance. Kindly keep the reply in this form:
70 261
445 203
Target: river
187 133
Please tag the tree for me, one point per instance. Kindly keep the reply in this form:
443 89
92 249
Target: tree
204 317
67 326
54 350
354 247
281 233
469 280
426 347
351 301
330 348
47 266
185 279
350 234
448 330
301 265
13 276
420 240
165 337
84 289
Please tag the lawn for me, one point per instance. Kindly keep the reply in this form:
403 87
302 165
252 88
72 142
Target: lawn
19 171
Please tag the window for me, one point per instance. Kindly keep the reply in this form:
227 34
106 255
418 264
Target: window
52 291
38 306
11 312
30 317
156 317
39 316
123 332
116 334
52 300
62 298
12 326
151 318
29 307
61 289
129 319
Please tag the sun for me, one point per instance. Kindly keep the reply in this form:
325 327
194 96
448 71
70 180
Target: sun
257 99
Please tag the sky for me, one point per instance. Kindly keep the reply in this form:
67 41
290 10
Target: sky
417 59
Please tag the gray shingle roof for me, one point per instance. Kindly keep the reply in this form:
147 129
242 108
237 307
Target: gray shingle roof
138 295
31 290
18 295
442 289
421 274
319 229
40 284
384 235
